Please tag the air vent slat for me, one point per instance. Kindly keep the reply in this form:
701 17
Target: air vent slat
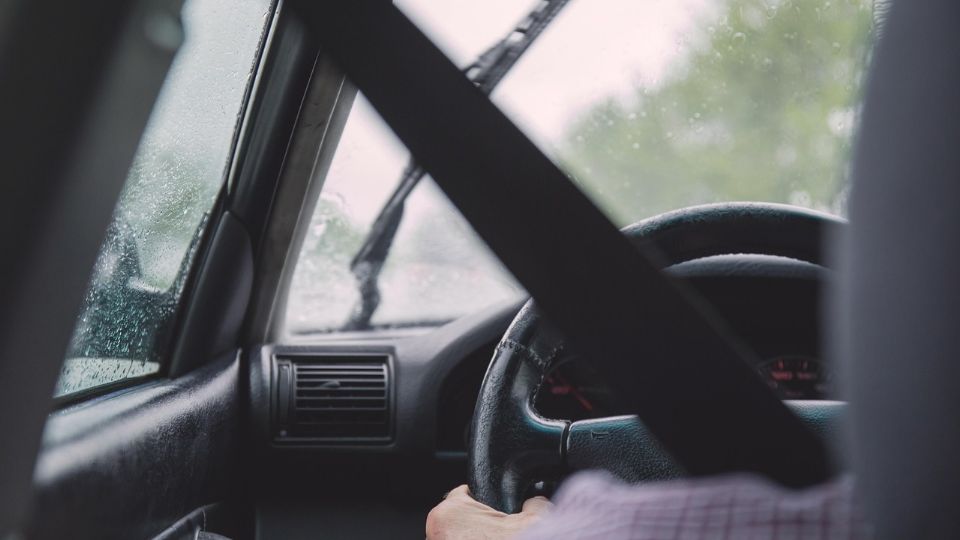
337 369
341 398
358 374
320 389
339 407
340 372
340 380
325 366
335 417
301 408
337 399
325 394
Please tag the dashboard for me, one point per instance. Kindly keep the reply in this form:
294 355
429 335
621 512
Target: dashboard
575 391
772 304
431 379
411 394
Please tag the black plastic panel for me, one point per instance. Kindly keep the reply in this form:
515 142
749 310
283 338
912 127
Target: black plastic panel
130 464
218 299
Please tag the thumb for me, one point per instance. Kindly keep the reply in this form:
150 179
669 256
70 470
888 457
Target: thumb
537 505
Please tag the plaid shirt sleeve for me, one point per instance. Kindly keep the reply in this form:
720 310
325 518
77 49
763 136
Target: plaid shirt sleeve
595 506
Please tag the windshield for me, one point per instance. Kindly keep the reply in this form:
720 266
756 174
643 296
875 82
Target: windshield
649 106
689 102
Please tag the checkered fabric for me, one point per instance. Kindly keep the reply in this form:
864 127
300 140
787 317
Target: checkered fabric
741 507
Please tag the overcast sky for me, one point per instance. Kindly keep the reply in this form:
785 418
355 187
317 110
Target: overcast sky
595 49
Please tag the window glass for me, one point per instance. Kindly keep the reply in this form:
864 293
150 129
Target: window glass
655 105
649 106
176 175
437 269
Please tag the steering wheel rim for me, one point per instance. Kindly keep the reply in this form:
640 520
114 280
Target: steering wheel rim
510 443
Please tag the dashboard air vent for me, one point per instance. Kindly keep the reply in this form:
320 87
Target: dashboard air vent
332 399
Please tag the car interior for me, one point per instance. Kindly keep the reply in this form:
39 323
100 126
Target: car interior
291 269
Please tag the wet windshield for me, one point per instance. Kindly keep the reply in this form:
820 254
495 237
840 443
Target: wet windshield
649 106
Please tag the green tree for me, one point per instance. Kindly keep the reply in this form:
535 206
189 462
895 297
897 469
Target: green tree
761 109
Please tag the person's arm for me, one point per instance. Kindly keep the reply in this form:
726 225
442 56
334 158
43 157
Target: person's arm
595 506
461 517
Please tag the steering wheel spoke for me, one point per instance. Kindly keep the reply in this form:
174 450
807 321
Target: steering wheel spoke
624 447
620 445
510 443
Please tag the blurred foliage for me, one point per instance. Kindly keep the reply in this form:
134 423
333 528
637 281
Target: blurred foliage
169 189
762 109
143 261
323 288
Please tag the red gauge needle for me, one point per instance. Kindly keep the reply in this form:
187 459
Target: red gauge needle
566 387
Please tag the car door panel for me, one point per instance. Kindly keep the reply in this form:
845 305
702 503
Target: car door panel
131 464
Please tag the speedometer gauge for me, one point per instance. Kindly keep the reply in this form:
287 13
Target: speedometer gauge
574 391
796 377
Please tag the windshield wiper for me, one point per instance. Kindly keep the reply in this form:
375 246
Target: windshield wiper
485 72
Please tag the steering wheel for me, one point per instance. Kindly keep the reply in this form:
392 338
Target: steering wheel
511 445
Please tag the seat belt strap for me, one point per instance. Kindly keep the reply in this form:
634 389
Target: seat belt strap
699 397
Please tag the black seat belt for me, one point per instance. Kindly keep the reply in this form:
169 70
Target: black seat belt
698 396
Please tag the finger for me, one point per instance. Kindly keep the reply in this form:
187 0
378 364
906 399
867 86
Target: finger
537 505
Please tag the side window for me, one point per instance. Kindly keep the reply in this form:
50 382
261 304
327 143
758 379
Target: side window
179 168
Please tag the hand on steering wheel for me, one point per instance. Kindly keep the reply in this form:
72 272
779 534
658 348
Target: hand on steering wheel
462 517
